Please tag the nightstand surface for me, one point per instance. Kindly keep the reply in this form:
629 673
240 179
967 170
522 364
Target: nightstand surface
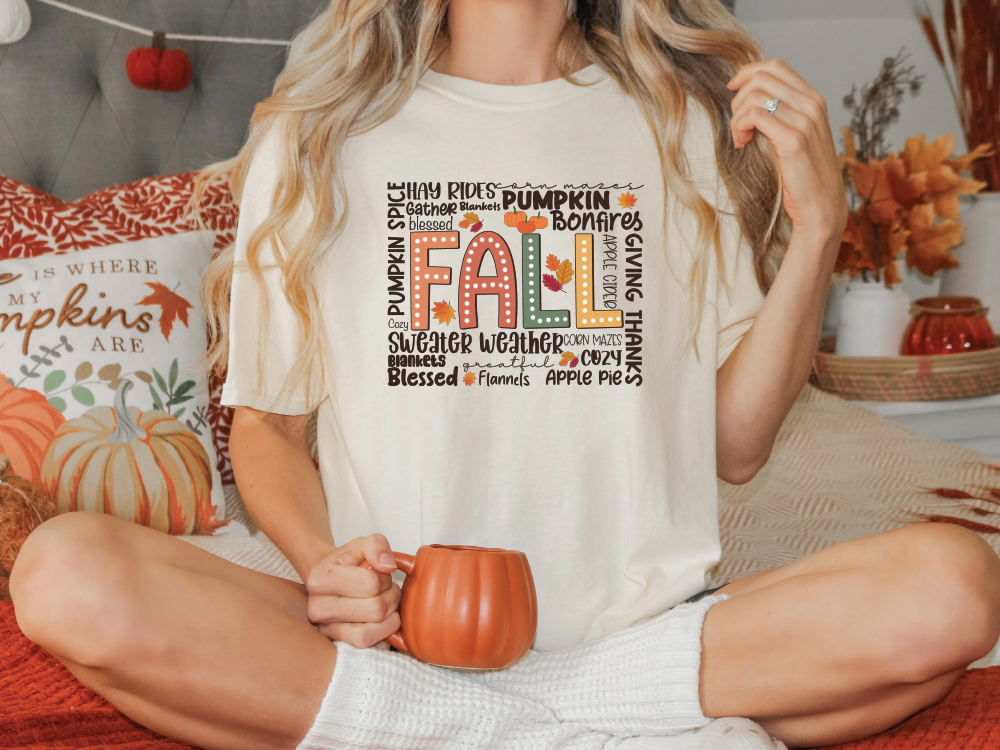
972 422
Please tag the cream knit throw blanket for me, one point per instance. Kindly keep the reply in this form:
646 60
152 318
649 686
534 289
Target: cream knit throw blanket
634 689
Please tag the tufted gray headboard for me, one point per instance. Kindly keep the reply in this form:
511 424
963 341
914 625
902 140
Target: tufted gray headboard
70 121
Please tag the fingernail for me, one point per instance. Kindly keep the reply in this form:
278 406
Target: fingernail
387 560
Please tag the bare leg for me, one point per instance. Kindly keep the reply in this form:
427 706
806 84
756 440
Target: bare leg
855 638
181 641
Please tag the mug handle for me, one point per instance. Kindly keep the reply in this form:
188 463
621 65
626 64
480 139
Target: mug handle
404 562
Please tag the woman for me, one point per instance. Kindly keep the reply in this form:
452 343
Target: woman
371 279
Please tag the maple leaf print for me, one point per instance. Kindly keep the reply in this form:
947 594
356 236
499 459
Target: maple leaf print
627 200
469 378
472 221
172 305
550 283
443 312
565 273
568 358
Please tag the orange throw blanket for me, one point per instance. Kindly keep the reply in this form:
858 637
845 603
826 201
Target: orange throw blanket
43 706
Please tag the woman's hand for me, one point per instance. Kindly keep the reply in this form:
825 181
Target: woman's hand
354 604
799 130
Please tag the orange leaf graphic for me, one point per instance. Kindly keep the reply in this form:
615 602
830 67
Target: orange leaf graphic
444 312
627 200
469 378
565 272
567 357
552 263
463 223
172 305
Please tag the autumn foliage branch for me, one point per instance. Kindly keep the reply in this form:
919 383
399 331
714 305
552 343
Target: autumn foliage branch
905 202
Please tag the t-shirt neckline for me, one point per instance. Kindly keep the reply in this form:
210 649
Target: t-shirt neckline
477 92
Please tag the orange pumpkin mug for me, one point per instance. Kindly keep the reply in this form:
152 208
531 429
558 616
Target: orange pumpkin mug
466 607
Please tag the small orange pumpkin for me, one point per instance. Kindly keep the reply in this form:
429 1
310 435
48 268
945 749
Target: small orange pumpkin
540 221
27 425
526 227
513 218
145 467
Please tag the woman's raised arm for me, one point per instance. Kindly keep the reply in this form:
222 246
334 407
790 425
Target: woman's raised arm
759 382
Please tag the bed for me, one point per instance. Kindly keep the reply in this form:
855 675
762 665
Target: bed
70 123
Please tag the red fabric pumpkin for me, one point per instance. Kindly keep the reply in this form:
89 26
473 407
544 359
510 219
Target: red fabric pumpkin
158 68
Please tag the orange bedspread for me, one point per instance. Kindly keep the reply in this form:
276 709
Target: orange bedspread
43 706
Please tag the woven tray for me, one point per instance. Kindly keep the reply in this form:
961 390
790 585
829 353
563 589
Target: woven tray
939 377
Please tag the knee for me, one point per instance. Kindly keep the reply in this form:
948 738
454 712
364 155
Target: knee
69 586
950 578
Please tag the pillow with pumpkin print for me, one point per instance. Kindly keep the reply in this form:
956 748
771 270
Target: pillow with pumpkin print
103 400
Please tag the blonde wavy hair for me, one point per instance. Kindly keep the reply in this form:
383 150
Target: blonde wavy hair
357 63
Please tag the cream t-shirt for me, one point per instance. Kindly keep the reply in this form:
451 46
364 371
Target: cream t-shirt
493 379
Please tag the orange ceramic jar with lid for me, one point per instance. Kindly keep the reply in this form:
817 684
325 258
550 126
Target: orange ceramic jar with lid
947 325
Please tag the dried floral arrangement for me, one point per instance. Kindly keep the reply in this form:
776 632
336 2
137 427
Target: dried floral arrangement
876 106
906 201
972 37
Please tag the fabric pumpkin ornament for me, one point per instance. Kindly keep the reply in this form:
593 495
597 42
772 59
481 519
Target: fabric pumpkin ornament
27 425
158 68
23 508
15 20
146 467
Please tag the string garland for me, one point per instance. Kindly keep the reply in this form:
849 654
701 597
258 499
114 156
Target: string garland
149 32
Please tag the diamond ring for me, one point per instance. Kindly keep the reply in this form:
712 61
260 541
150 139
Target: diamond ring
772 106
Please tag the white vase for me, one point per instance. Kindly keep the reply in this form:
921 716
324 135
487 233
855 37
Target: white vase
914 284
979 256
872 320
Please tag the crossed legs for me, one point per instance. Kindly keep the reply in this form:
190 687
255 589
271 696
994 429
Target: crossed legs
855 638
181 641
840 645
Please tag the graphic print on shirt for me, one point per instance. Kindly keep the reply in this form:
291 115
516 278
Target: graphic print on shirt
506 282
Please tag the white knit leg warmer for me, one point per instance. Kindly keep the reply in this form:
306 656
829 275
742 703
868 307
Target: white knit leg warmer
386 701
640 681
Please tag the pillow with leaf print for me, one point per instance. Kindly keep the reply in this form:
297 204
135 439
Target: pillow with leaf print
103 400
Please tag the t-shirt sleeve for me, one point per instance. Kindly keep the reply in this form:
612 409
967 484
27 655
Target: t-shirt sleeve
264 338
738 305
